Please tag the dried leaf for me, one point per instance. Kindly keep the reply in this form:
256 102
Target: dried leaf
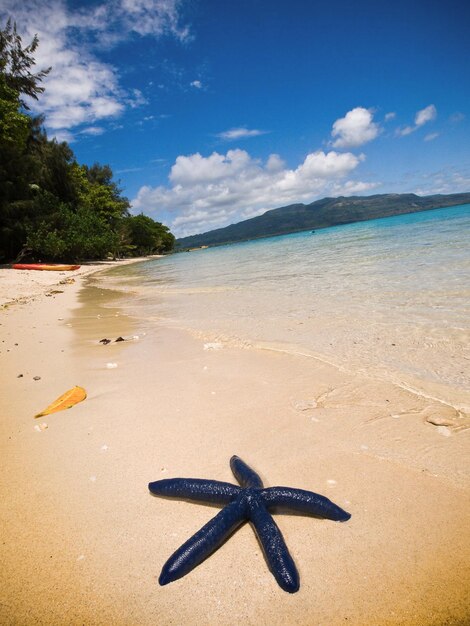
66 401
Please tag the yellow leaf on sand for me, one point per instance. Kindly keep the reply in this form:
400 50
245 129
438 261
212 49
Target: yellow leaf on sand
66 401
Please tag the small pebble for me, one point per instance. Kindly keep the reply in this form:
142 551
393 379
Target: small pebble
111 366
36 378
330 481
20 376
104 447
213 346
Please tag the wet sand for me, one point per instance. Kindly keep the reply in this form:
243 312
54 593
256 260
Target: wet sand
83 541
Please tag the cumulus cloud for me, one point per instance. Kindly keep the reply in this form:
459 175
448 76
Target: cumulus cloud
425 115
206 192
81 89
240 133
422 117
355 128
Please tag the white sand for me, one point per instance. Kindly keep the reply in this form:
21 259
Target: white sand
83 542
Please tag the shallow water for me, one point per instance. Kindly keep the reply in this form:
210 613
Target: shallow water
389 298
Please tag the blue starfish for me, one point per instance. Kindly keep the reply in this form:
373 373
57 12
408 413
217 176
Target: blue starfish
250 502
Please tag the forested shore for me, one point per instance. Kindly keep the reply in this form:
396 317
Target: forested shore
52 207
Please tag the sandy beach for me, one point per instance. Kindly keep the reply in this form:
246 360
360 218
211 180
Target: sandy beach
83 541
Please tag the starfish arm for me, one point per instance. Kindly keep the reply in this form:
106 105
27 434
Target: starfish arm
195 489
244 474
204 542
304 502
277 555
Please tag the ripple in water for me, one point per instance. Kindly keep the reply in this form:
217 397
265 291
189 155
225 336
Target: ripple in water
389 298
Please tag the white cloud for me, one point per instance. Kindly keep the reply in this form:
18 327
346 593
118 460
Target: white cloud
431 136
390 116
355 128
406 130
81 89
422 117
240 133
64 135
92 130
207 192
196 83
426 115
446 180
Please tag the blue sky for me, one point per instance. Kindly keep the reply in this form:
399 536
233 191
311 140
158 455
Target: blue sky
212 111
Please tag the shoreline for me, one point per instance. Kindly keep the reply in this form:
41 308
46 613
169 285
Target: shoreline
21 286
85 542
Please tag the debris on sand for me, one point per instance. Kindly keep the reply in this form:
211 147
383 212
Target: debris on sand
66 401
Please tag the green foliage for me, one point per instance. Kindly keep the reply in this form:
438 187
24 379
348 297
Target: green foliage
16 63
14 126
58 209
72 235
148 236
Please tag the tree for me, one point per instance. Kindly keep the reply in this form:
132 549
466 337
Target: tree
71 235
148 236
16 63
14 132
57 208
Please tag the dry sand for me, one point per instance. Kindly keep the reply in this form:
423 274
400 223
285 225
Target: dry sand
83 541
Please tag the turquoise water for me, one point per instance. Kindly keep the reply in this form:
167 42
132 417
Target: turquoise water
389 297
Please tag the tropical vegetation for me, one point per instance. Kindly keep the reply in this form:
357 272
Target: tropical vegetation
51 207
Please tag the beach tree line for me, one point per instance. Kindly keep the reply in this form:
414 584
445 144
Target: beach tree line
51 207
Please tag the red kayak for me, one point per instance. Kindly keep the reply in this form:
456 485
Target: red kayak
44 266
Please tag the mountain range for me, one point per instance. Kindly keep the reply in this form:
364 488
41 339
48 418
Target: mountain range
321 214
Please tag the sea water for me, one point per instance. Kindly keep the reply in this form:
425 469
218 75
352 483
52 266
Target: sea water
388 298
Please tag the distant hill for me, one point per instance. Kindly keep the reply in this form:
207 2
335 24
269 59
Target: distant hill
321 214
